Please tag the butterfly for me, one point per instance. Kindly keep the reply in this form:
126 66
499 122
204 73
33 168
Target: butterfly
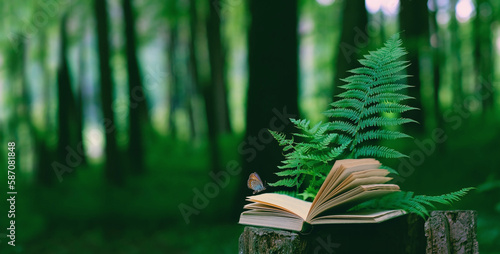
255 183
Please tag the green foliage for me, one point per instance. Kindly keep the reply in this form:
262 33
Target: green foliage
373 89
359 118
307 160
411 203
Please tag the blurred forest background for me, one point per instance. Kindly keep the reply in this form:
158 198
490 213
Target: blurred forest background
138 122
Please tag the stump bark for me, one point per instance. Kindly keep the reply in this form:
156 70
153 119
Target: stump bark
270 241
443 232
451 232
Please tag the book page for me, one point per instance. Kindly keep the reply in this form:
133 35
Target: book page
358 194
340 171
373 216
334 174
351 170
358 175
271 219
355 182
284 202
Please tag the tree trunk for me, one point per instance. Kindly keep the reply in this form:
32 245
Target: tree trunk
173 94
402 235
483 53
79 102
137 96
437 59
456 58
265 240
69 130
452 232
415 37
215 92
217 88
273 87
443 232
194 85
24 133
353 39
44 173
113 170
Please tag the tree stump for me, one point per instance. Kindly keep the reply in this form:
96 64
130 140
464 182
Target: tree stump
270 241
446 232
451 232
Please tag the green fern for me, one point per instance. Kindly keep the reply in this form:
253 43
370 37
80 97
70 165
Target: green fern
359 117
411 203
372 90
375 88
309 160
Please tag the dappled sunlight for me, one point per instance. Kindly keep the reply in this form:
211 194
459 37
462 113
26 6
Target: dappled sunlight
325 2
465 10
388 7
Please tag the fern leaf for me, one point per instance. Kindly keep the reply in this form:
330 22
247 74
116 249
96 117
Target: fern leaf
342 112
348 103
389 88
287 182
291 172
379 134
342 126
384 121
411 203
353 93
385 108
377 151
385 97
391 170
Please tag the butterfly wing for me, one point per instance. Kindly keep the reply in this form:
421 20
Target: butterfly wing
255 183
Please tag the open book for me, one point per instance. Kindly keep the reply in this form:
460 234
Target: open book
349 182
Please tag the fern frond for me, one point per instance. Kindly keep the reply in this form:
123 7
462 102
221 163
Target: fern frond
294 172
384 121
411 203
348 103
377 151
342 126
307 161
373 89
359 79
387 97
287 182
353 93
379 134
391 170
448 199
343 112
281 138
389 88
385 108
358 118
